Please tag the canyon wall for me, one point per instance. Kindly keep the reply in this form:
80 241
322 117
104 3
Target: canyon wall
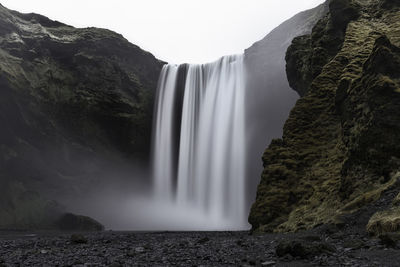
74 104
340 151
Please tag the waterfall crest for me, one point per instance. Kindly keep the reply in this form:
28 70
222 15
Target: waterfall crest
199 140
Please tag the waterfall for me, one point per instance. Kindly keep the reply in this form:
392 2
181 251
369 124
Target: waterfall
199 140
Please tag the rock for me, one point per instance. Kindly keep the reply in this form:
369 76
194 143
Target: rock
353 244
268 263
131 253
81 104
390 239
339 153
396 200
312 238
343 11
240 243
386 221
72 222
78 239
303 64
127 252
303 249
203 240
330 229
140 249
252 262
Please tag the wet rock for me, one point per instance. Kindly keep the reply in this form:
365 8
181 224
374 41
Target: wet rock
338 235
390 239
78 239
303 249
312 238
268 263
140 249
131 253
240 243
203 240
252 262
221 250
353 244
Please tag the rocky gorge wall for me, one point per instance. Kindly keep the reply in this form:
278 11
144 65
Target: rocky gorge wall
74 104
340 150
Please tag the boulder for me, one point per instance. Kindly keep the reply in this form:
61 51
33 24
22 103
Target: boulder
303 249
78 239
72 222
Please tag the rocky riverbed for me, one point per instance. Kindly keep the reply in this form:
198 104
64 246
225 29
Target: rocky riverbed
323 246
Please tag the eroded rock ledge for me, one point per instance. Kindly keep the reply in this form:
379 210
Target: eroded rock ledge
340 149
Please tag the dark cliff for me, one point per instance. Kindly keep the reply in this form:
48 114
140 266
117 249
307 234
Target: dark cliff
340 151
71 102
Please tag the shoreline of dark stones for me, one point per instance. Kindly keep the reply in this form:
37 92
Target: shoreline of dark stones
326 245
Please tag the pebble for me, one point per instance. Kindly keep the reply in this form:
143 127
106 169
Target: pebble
179 249
268 263
140 249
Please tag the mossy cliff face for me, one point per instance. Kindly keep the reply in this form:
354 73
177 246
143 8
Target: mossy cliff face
72 101
341 144
91 83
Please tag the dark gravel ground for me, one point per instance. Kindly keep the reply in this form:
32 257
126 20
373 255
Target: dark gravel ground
326 246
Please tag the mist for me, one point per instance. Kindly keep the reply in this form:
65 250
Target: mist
130 199
124 200
87 151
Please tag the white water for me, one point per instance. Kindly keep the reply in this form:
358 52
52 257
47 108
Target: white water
199 142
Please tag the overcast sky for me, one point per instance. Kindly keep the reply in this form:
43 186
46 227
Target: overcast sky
177 31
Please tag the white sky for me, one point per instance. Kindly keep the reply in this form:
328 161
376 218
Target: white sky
177 31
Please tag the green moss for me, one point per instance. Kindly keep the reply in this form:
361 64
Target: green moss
386 221
340 145
74 102
363 198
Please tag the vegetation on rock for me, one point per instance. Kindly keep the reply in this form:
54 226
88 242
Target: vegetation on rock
341 144
72 101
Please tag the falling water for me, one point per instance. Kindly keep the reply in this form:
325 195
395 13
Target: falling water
199 140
